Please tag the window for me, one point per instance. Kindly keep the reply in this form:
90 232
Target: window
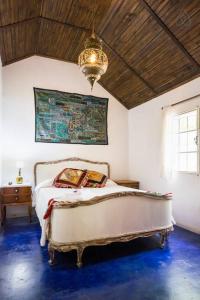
186 141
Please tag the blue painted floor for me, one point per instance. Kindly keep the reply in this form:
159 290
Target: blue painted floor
137 270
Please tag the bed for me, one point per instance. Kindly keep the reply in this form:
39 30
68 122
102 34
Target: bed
95 216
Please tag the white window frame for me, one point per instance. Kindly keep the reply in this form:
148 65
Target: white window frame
198 141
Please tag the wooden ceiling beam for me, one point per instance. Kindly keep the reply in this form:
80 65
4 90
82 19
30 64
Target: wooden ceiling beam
66 24
19 22
129 67
47 19
170 34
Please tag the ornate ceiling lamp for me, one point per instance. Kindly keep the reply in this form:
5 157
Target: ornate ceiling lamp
93 61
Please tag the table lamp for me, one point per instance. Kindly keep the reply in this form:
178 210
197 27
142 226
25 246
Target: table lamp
19 178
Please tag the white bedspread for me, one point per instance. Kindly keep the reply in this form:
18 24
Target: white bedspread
44 194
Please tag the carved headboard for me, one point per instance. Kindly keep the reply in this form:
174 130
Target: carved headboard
49 169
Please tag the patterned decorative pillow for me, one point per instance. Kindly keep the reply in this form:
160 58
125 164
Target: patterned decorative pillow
95 179
71 178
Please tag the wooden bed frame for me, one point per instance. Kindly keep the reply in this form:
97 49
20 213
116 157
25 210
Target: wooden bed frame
80 246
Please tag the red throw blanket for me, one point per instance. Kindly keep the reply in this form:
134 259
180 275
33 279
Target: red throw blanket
49 209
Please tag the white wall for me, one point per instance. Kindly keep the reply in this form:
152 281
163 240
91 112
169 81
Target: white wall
145 132
19 121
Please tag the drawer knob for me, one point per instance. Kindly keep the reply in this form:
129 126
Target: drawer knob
16 198
16 191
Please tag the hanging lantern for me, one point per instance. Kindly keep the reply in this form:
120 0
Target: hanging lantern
93 61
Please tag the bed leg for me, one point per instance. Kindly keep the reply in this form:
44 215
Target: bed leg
79 250
163 238
51 256
167 235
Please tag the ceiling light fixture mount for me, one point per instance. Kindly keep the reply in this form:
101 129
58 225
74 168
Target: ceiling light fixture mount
92 60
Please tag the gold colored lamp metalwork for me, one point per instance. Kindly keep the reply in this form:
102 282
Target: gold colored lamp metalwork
93 61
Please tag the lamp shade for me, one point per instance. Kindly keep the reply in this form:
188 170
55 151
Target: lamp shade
19 164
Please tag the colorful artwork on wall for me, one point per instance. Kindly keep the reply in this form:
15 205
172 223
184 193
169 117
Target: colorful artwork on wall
70 118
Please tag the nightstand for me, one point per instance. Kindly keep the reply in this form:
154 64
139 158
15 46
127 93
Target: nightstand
129 183
15 195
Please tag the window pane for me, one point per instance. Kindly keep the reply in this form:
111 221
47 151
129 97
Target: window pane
183 123
185 129
176 125
192 120
176 142
192 136
183 142
183 162
192 162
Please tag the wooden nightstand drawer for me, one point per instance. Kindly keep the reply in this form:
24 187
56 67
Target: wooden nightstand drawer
16 198
129 183
22 190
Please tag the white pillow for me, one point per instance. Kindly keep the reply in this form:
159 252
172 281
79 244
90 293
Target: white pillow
110 183
45 183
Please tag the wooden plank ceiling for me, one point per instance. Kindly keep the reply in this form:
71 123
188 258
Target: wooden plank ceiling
152 45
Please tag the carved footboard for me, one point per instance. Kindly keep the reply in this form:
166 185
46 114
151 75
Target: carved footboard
80 246
117 217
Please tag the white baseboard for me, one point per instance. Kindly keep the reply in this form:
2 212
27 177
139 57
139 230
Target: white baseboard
192 229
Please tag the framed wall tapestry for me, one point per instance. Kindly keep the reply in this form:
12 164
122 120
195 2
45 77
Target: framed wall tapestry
70 118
